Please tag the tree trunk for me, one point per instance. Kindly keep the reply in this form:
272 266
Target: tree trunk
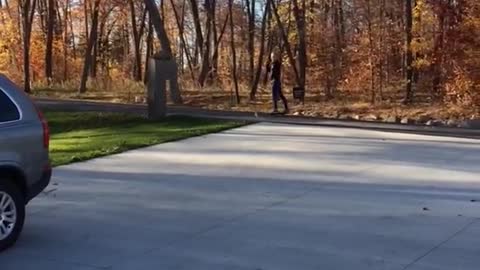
198 29
251 40
286 42
162 11
381 60
96 44
49 45
206 67
158 25
300 17
409 54
42 15
337 58
2 17
220 37
289 25
85 13
270 41
234 52
214 61
438 55
341 14
258 73
74 46
137 69
371 46
180 25
28 11
90 44
97 48
149 48
164 42
65 40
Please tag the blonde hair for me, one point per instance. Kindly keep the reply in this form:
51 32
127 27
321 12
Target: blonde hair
276 55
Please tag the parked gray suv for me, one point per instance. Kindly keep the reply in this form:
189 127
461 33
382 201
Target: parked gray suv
24 163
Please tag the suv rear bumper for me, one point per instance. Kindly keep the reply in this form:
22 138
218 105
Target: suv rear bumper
40 185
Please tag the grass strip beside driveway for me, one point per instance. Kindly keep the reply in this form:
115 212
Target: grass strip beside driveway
82 136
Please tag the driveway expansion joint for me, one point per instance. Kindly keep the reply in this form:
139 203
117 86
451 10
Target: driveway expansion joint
430 251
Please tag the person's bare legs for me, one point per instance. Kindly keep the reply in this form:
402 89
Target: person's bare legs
276 92
279 95
285 102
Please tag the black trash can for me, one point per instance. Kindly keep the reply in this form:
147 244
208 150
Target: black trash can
299 94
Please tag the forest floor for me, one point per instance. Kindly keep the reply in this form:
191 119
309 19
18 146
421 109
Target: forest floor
391 110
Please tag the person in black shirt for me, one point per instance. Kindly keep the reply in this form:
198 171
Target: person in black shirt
276 79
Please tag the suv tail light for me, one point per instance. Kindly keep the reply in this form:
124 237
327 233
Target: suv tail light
46 130
43 120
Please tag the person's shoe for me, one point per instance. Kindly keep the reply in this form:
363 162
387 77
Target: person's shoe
275 112
286 111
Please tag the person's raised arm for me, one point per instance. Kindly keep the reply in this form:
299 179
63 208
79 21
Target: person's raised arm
269 66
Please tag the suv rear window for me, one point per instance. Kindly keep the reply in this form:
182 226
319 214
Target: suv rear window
8 109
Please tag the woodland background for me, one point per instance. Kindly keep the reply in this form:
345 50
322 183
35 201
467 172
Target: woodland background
415 58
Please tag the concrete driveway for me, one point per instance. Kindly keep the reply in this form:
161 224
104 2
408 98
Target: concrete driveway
266 196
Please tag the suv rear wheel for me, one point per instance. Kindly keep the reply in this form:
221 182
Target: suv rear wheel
12 213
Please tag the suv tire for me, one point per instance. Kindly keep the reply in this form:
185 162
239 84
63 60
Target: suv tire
12 213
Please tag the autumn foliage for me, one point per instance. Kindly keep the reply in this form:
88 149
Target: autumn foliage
339 49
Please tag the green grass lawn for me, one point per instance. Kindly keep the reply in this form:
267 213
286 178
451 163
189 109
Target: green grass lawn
82 136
